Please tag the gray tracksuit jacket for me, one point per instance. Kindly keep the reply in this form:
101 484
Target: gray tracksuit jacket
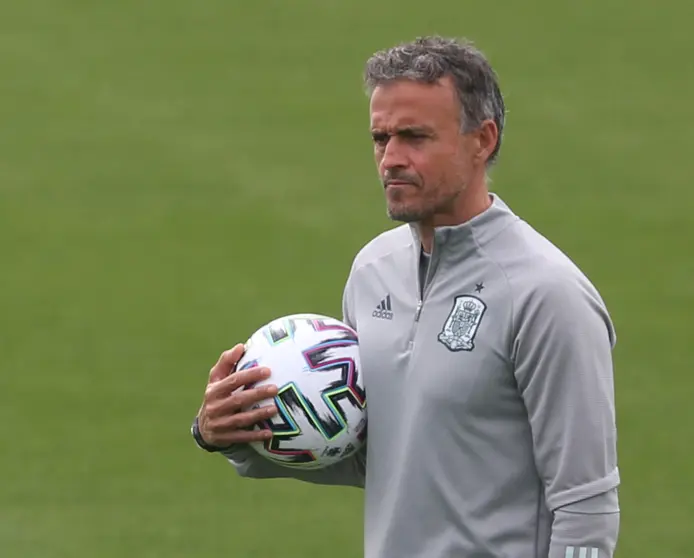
489 381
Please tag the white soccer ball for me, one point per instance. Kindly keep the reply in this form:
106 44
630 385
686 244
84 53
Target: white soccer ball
314 362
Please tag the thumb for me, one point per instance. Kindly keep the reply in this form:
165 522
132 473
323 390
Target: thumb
227 363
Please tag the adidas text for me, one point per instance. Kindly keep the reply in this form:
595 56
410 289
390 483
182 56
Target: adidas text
382 314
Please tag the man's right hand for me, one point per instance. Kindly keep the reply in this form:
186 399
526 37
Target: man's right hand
226 416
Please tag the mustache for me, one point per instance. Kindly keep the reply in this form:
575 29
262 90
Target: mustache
396 175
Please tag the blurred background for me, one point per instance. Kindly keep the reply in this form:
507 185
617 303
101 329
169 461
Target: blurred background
173 174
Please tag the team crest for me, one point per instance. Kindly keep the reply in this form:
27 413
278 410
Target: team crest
461 326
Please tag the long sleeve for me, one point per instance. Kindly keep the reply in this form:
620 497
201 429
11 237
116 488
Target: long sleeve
249 464
586 529
563 365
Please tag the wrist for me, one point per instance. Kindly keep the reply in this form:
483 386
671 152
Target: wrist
200 441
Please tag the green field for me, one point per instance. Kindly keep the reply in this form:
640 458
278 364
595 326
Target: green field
173 174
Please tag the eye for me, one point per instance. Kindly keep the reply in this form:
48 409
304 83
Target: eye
414 135
379 138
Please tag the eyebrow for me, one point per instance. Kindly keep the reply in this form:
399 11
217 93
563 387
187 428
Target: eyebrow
404 131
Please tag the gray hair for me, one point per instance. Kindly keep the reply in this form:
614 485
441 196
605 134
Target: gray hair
428 59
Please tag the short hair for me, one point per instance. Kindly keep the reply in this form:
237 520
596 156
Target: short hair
427 60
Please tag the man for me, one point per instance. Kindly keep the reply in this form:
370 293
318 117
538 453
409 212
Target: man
491 408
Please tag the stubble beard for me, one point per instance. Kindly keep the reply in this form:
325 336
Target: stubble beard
399 210
426 212
405 215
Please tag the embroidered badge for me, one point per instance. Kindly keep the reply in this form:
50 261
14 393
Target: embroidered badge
461 326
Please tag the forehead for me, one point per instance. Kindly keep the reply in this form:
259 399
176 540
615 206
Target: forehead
407 103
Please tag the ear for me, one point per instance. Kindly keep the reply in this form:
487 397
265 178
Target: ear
487 138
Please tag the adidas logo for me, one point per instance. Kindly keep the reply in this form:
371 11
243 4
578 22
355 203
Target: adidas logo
384 310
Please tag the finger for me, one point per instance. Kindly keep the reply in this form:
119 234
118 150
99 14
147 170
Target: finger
227 424
245 437
242 378
223 430
245 399
226 363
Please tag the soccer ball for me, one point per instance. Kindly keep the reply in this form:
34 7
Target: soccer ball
314 362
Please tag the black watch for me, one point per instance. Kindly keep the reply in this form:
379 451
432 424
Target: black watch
195 431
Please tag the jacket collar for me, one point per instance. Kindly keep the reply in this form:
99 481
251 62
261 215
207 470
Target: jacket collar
459 241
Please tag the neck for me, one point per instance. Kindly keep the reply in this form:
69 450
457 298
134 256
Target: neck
471 203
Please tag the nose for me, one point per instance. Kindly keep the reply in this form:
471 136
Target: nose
393 155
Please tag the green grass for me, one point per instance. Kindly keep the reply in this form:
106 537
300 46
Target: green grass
173 174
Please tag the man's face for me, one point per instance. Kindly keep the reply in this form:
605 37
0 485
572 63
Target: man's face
423 159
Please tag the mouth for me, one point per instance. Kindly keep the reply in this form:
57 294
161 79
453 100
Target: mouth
397 183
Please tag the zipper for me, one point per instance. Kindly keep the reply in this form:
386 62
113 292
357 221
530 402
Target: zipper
413 331
422 290
418 311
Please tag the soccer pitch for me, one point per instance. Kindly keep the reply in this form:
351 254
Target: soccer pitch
173 174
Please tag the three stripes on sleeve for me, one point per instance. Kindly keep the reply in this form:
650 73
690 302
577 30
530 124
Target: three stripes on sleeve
581 552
